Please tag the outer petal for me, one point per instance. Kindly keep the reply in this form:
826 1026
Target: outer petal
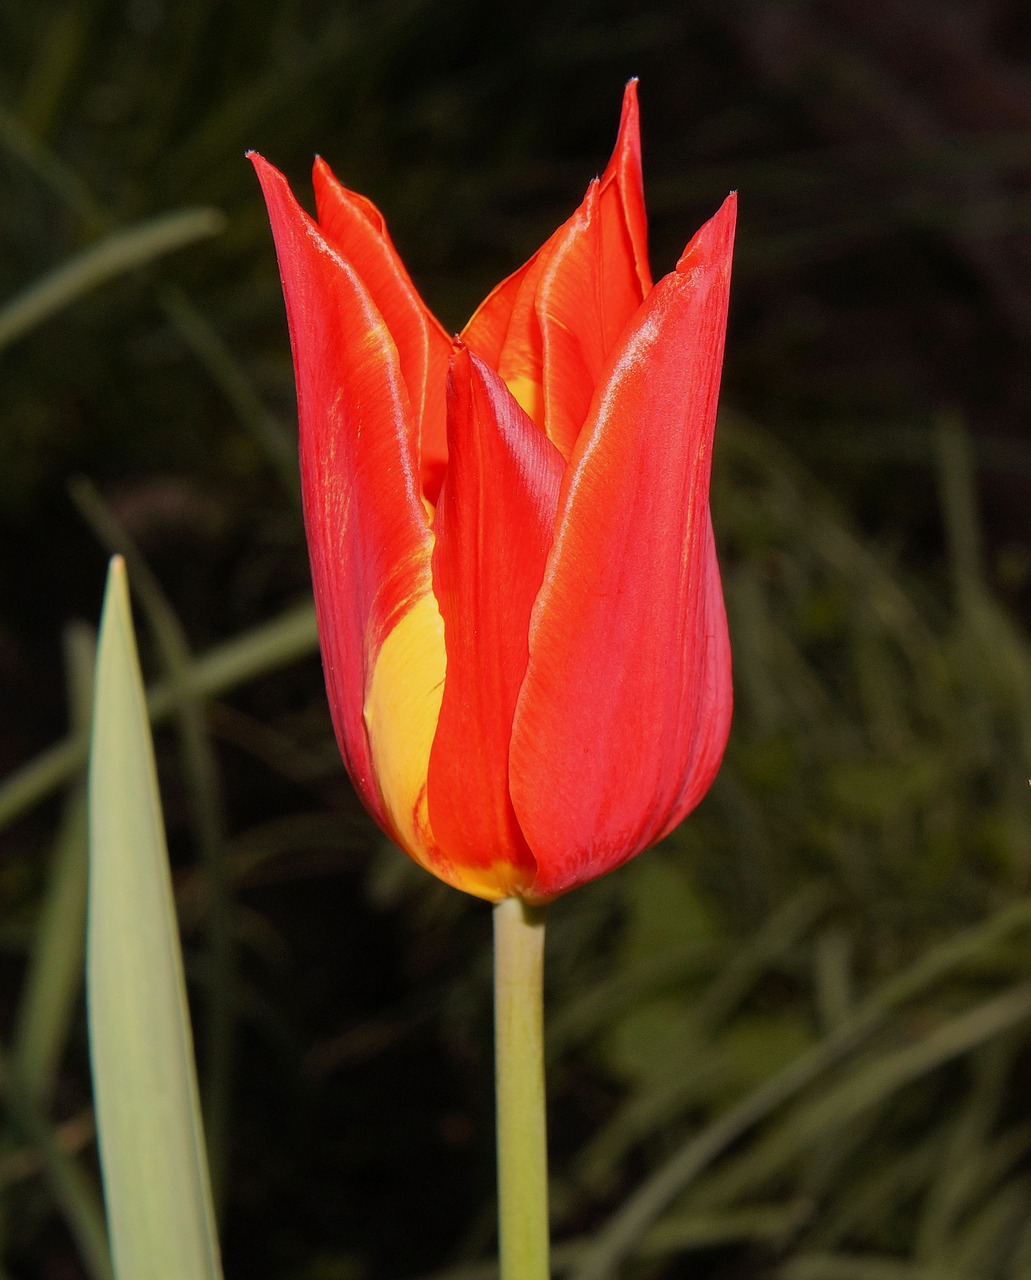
494 526
368 534
355 227
625 709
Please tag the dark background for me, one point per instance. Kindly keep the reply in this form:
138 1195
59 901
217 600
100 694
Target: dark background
871 494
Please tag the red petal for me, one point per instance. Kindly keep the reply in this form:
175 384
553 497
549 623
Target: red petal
487 329
623 176
493 530
625 709
595 279
548 328
355 227
505 334
570 315
368 536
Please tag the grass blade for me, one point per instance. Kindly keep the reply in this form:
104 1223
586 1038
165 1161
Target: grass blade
156 1187
117 253
271 645
52 995
74 1192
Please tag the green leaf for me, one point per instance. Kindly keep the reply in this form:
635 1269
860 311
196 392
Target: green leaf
156 1186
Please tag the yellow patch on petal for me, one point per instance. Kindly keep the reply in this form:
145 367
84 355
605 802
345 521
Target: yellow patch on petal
494 882
401 712
402 707
528 395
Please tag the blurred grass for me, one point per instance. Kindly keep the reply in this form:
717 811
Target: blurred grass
793 1041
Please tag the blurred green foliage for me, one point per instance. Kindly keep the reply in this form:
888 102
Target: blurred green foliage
794 1039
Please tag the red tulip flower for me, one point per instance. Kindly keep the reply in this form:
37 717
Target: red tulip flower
518 598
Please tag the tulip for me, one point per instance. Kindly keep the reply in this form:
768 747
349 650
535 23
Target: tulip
518 598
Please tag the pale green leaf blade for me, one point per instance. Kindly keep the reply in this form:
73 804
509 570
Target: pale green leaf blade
156 1186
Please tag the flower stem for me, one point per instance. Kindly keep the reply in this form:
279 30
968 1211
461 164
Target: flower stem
519 1074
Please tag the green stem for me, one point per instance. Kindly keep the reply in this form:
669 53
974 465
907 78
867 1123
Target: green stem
519 1073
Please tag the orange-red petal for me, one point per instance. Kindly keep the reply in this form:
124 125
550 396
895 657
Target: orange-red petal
595 278
548 327
493 531
368 535
486 330
505 334
623 174
354 226
624 712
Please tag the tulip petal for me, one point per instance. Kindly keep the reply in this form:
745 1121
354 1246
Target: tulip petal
357 229
624 712
486 330
548 327
505 334
595 278
575 337
493 528
368 534
623 174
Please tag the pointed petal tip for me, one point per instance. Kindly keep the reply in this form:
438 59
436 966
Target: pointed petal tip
714 240
627 151
629 133
259 161
320 170
724 221
459 368
273 182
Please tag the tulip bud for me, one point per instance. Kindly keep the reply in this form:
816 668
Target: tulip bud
519 603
